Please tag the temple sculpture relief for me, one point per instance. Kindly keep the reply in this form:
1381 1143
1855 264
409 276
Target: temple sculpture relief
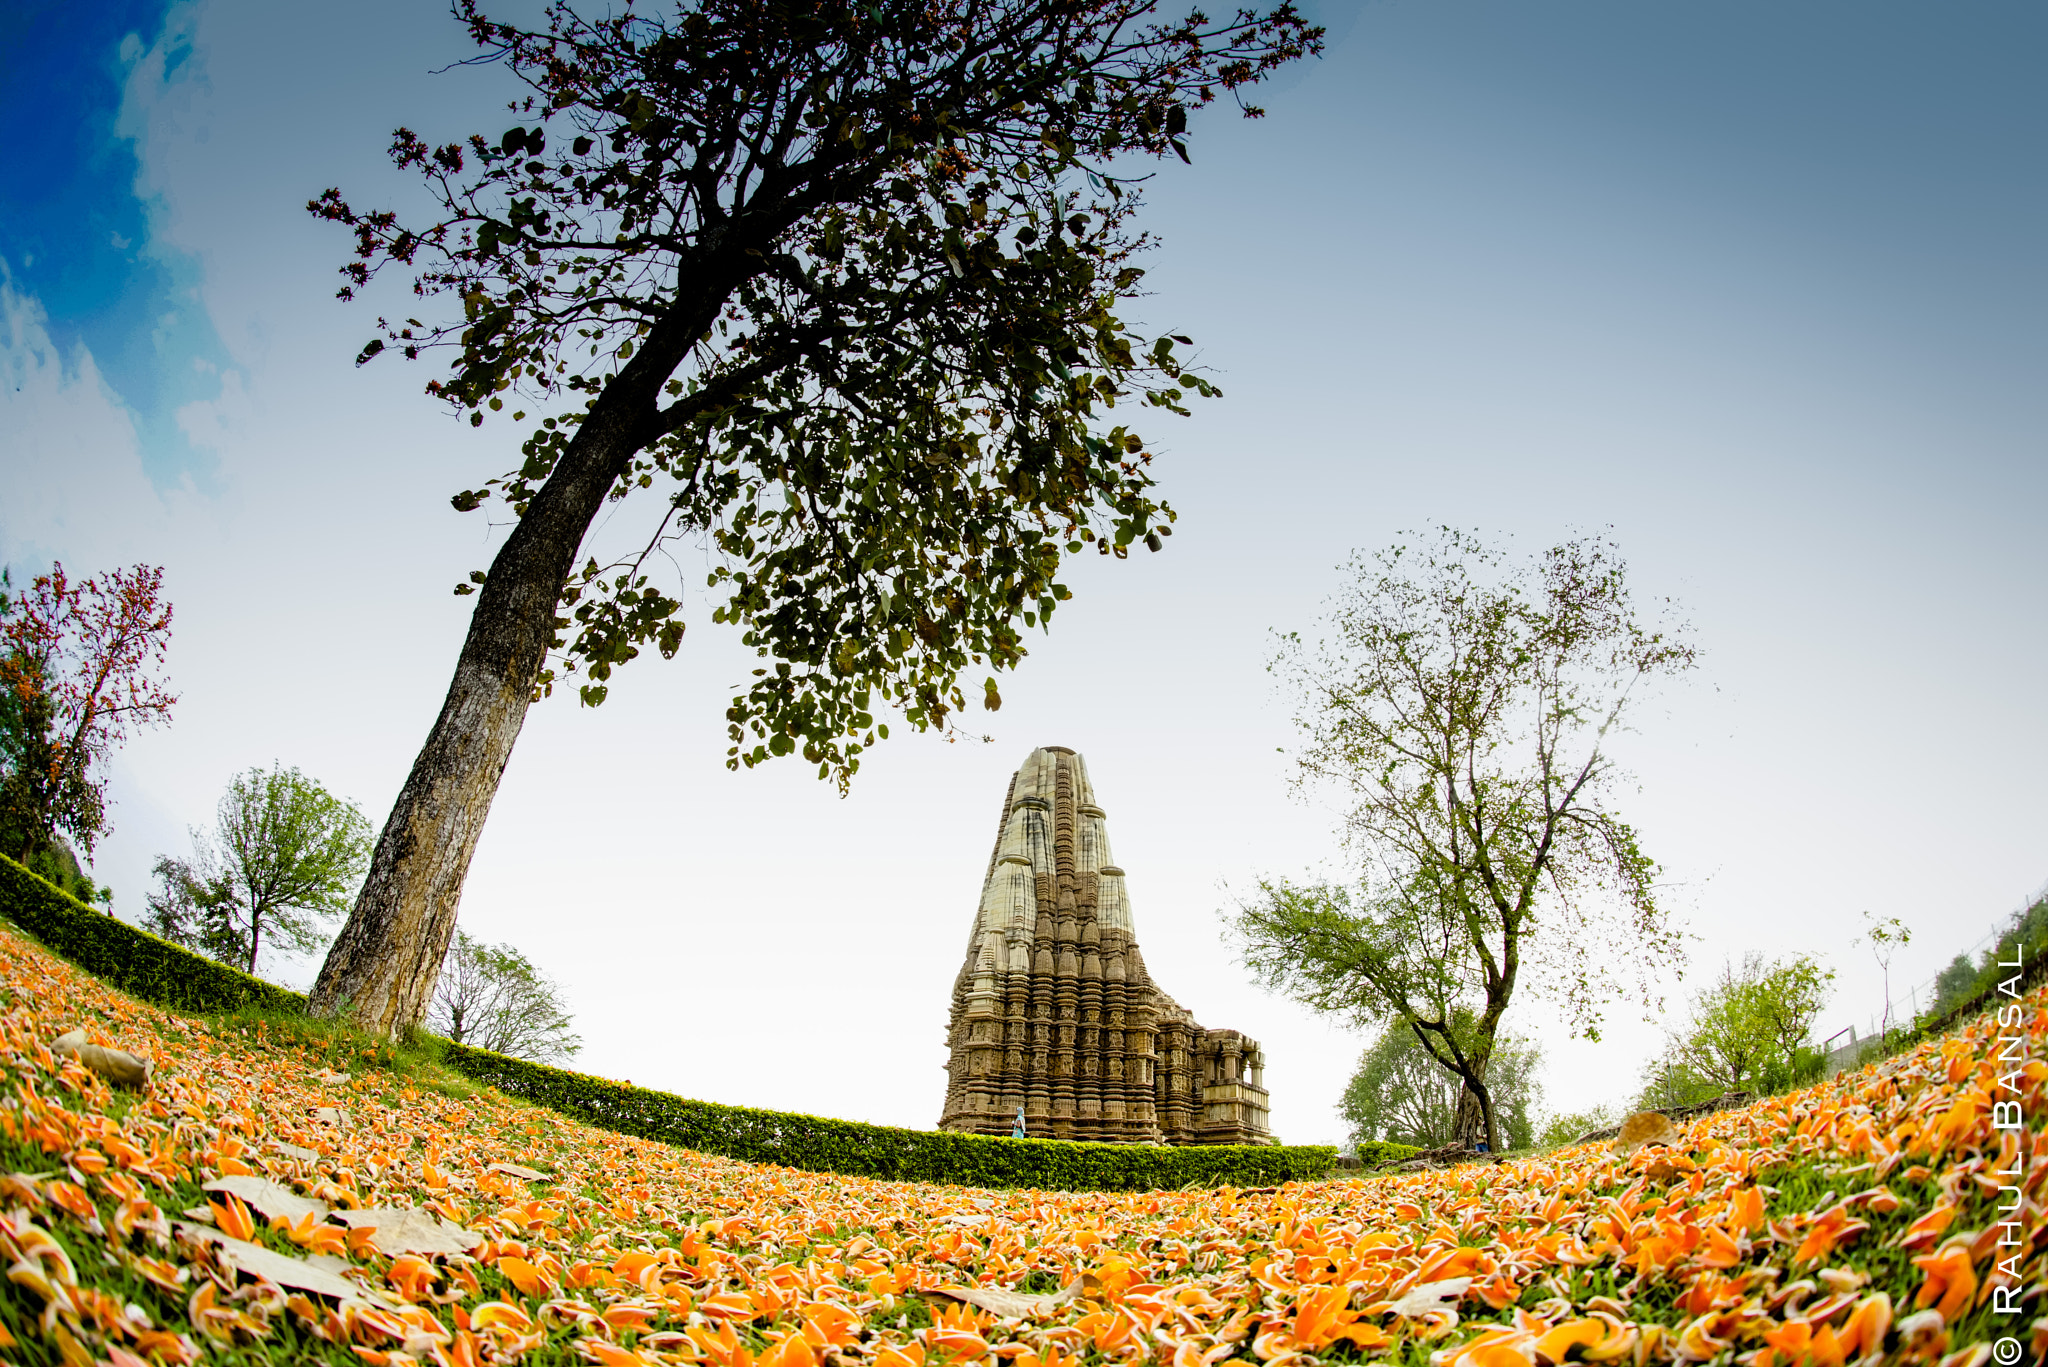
1054 1012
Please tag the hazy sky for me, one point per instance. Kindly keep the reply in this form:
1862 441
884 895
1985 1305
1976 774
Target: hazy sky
1760 287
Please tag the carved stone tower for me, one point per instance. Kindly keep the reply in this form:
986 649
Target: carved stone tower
1053 1010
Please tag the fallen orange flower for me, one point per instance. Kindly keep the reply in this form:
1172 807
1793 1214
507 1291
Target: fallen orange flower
634 1252
1951 1280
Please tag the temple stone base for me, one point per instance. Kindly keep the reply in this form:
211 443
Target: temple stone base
1054 1011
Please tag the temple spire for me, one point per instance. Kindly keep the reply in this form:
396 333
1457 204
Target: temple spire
1053 1011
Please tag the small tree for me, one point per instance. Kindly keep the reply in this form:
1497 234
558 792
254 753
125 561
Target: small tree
1748 1029
1401 1094
1788 995
492 997
80 666
1886 937
1462 712
284 855
197 910
837 287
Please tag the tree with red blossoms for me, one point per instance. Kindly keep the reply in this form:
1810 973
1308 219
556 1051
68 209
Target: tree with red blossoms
81 666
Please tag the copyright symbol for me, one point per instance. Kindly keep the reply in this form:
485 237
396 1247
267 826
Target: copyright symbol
2006 1351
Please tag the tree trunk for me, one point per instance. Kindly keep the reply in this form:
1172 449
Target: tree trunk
1475 1124
383 965
1468 1128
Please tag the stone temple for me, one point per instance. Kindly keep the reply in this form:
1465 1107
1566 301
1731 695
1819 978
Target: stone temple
1054 1011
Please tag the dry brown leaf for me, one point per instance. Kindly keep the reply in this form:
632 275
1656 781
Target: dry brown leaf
277 1268
331 1115
268 1199
298 1151
117 1066
968 1219
1430 1298
1011 1305
408 1229
525 1174
328 1075
1645 1127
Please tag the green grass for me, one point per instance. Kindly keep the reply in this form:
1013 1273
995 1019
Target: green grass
338 1044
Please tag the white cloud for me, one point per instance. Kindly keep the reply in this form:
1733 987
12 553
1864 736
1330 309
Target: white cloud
213 423
69 460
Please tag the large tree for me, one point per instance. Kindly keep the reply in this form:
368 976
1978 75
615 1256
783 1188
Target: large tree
81 667
841 283
1461 709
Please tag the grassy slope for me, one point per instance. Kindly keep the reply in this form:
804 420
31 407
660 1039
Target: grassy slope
1851 1220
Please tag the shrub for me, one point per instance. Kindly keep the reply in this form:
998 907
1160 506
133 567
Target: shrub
860 1150
1373 1152
158 971
133 960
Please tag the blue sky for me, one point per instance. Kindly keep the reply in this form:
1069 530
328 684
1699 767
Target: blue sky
76 228
1757 286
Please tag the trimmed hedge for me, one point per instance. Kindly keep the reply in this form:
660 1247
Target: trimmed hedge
133 960
860 1150
1374 1152
169 975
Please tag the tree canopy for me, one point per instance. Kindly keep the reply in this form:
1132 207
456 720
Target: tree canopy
840 285
850 272
1460 709
283 856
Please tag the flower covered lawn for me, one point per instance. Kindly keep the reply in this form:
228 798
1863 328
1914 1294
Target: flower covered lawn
385 1217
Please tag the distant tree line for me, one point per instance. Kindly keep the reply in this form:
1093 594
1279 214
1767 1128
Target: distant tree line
1963 979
